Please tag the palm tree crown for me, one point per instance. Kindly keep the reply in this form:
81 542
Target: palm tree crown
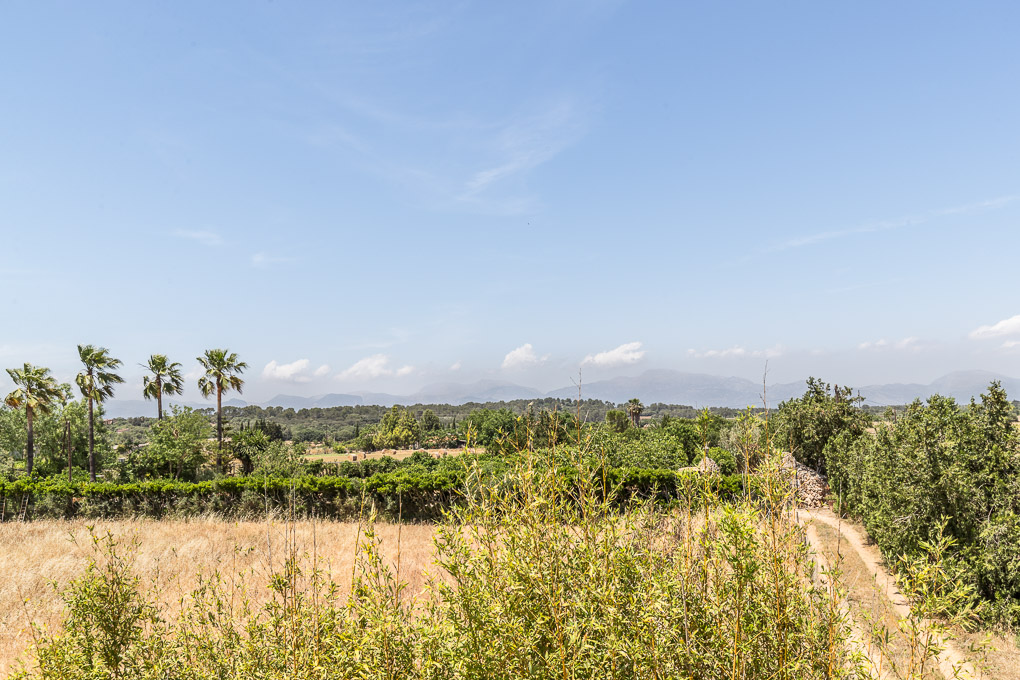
166 379
97 380
35 391
96 384
634 410
222 374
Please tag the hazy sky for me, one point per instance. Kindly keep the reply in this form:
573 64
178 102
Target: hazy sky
383 195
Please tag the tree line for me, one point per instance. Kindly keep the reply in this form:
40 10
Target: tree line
36 391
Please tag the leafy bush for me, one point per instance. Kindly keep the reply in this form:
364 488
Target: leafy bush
806 425
939 465
547 577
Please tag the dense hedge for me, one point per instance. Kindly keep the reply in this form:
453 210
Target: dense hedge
409 494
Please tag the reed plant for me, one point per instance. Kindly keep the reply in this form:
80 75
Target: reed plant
540 576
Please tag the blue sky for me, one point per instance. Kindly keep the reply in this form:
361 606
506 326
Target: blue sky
377 196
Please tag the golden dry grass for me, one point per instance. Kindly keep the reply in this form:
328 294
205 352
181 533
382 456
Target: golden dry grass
37 558
399 454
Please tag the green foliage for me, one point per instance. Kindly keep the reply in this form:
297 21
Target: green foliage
807 424
941 468
617 420
430 422
249 445
547 577
176 446
166 379
726 461
106 619
35 391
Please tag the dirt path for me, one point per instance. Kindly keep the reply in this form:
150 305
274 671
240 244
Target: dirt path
858 636
951 661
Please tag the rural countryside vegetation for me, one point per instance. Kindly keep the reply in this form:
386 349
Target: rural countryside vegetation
540 539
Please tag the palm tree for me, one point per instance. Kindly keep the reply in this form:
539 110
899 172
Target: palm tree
36 390
634 409
166 379
96 384
222 374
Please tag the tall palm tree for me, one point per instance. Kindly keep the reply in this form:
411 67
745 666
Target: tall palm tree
36 390
222 374
166 379
96 384
634 410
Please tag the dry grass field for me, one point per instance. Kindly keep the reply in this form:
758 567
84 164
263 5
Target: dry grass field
400 454
36 558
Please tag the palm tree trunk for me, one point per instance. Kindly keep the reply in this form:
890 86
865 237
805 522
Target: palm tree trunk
67 437
92 444
159 399
219 426
30 448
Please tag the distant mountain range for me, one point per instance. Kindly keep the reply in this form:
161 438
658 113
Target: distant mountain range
666 386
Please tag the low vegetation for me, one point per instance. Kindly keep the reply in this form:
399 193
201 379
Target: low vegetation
541 578
936 475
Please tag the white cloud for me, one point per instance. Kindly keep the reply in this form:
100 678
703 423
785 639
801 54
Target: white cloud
456 366
206 238
322 371
627 353
737 352
523 356
292 372
910 343
264 260
375 366
194 374
1010 344
906 343
1010 326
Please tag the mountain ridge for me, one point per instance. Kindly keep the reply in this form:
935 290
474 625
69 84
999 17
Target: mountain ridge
654 385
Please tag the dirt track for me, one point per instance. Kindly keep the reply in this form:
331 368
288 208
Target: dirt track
951 661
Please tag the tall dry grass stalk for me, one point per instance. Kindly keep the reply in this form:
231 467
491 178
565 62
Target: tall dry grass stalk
546 574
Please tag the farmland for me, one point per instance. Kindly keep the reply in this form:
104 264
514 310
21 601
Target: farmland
676 546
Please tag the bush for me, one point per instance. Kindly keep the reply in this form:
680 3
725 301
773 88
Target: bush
939 463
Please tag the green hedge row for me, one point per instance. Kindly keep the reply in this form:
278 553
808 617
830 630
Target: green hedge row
411 495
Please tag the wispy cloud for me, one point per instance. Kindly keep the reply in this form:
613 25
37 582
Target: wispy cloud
627 353
375 366
264 259
206 238
322 371
890 225
523 356
910 343
1006 327
456 366
736 352
523 143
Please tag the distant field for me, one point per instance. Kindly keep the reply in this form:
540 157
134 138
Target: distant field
171 555
399 454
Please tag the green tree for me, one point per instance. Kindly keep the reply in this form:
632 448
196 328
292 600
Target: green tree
634 410
176 443
430 422
166 379
617 420
222 374
96 384
807 424
249 445
35 391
